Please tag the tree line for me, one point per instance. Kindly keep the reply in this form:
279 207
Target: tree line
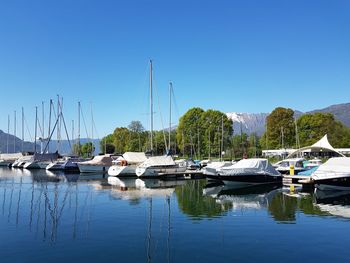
209 134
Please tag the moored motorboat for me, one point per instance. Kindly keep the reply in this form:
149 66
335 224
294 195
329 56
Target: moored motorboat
284 166
160 166
248 172
125 166
67 164
211 168
99 164
333 174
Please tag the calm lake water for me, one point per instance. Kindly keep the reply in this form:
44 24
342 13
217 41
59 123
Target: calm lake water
65 218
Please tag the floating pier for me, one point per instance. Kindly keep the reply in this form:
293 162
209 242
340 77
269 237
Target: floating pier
302 180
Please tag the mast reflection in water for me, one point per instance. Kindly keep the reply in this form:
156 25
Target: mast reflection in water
62 217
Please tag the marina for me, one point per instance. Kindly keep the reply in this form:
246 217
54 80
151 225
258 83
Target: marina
174 131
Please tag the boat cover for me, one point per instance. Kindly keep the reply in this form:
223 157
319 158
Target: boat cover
249 167
10 156
159 161
135 157
333 168
104 160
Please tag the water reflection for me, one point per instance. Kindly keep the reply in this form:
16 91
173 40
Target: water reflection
135 189
51 203
40 200
336 203
193 203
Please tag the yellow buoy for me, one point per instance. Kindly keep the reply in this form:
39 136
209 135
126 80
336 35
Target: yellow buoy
292 188
291 169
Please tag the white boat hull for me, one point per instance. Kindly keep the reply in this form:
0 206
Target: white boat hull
159 171
36 165
85 168
122 171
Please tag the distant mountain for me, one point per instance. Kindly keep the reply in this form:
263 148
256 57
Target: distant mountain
341 112
15 144
255 122
248 122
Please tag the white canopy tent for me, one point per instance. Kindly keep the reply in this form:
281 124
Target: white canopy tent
322 146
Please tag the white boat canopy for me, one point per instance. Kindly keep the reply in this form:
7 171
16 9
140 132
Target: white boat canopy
249 167
10 156
135 157
99 160
322 145
159 161
333 168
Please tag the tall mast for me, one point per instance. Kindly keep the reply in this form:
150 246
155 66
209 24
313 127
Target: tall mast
36 123
209 142
199 149
49 128
14 133
79 128
73 130
8 133
58 123
22 129
222 136
151 102
92 128
170 90
43 119
92 123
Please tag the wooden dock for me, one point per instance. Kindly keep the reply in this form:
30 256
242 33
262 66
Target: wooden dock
303 180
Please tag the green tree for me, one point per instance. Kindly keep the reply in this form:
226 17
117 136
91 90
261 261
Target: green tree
87 149
280 127
106 144
136 141
200 133
189 125
312 127
121 139
77 149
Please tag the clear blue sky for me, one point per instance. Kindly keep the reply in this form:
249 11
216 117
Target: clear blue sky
243 56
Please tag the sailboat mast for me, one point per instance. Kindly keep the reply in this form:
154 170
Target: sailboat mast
14 133
8 133
222 137
170 90
22 129
92 123
43 119
49 128
79 128
36 124
58 123
151 102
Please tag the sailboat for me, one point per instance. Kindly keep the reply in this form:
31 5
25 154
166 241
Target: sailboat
158 165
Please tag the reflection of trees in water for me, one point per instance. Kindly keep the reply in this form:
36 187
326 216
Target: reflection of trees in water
192 202
42 204
283 207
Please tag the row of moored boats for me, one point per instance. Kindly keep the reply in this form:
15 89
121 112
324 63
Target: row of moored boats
333 174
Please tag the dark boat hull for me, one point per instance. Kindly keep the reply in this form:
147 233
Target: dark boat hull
241 180
340 183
